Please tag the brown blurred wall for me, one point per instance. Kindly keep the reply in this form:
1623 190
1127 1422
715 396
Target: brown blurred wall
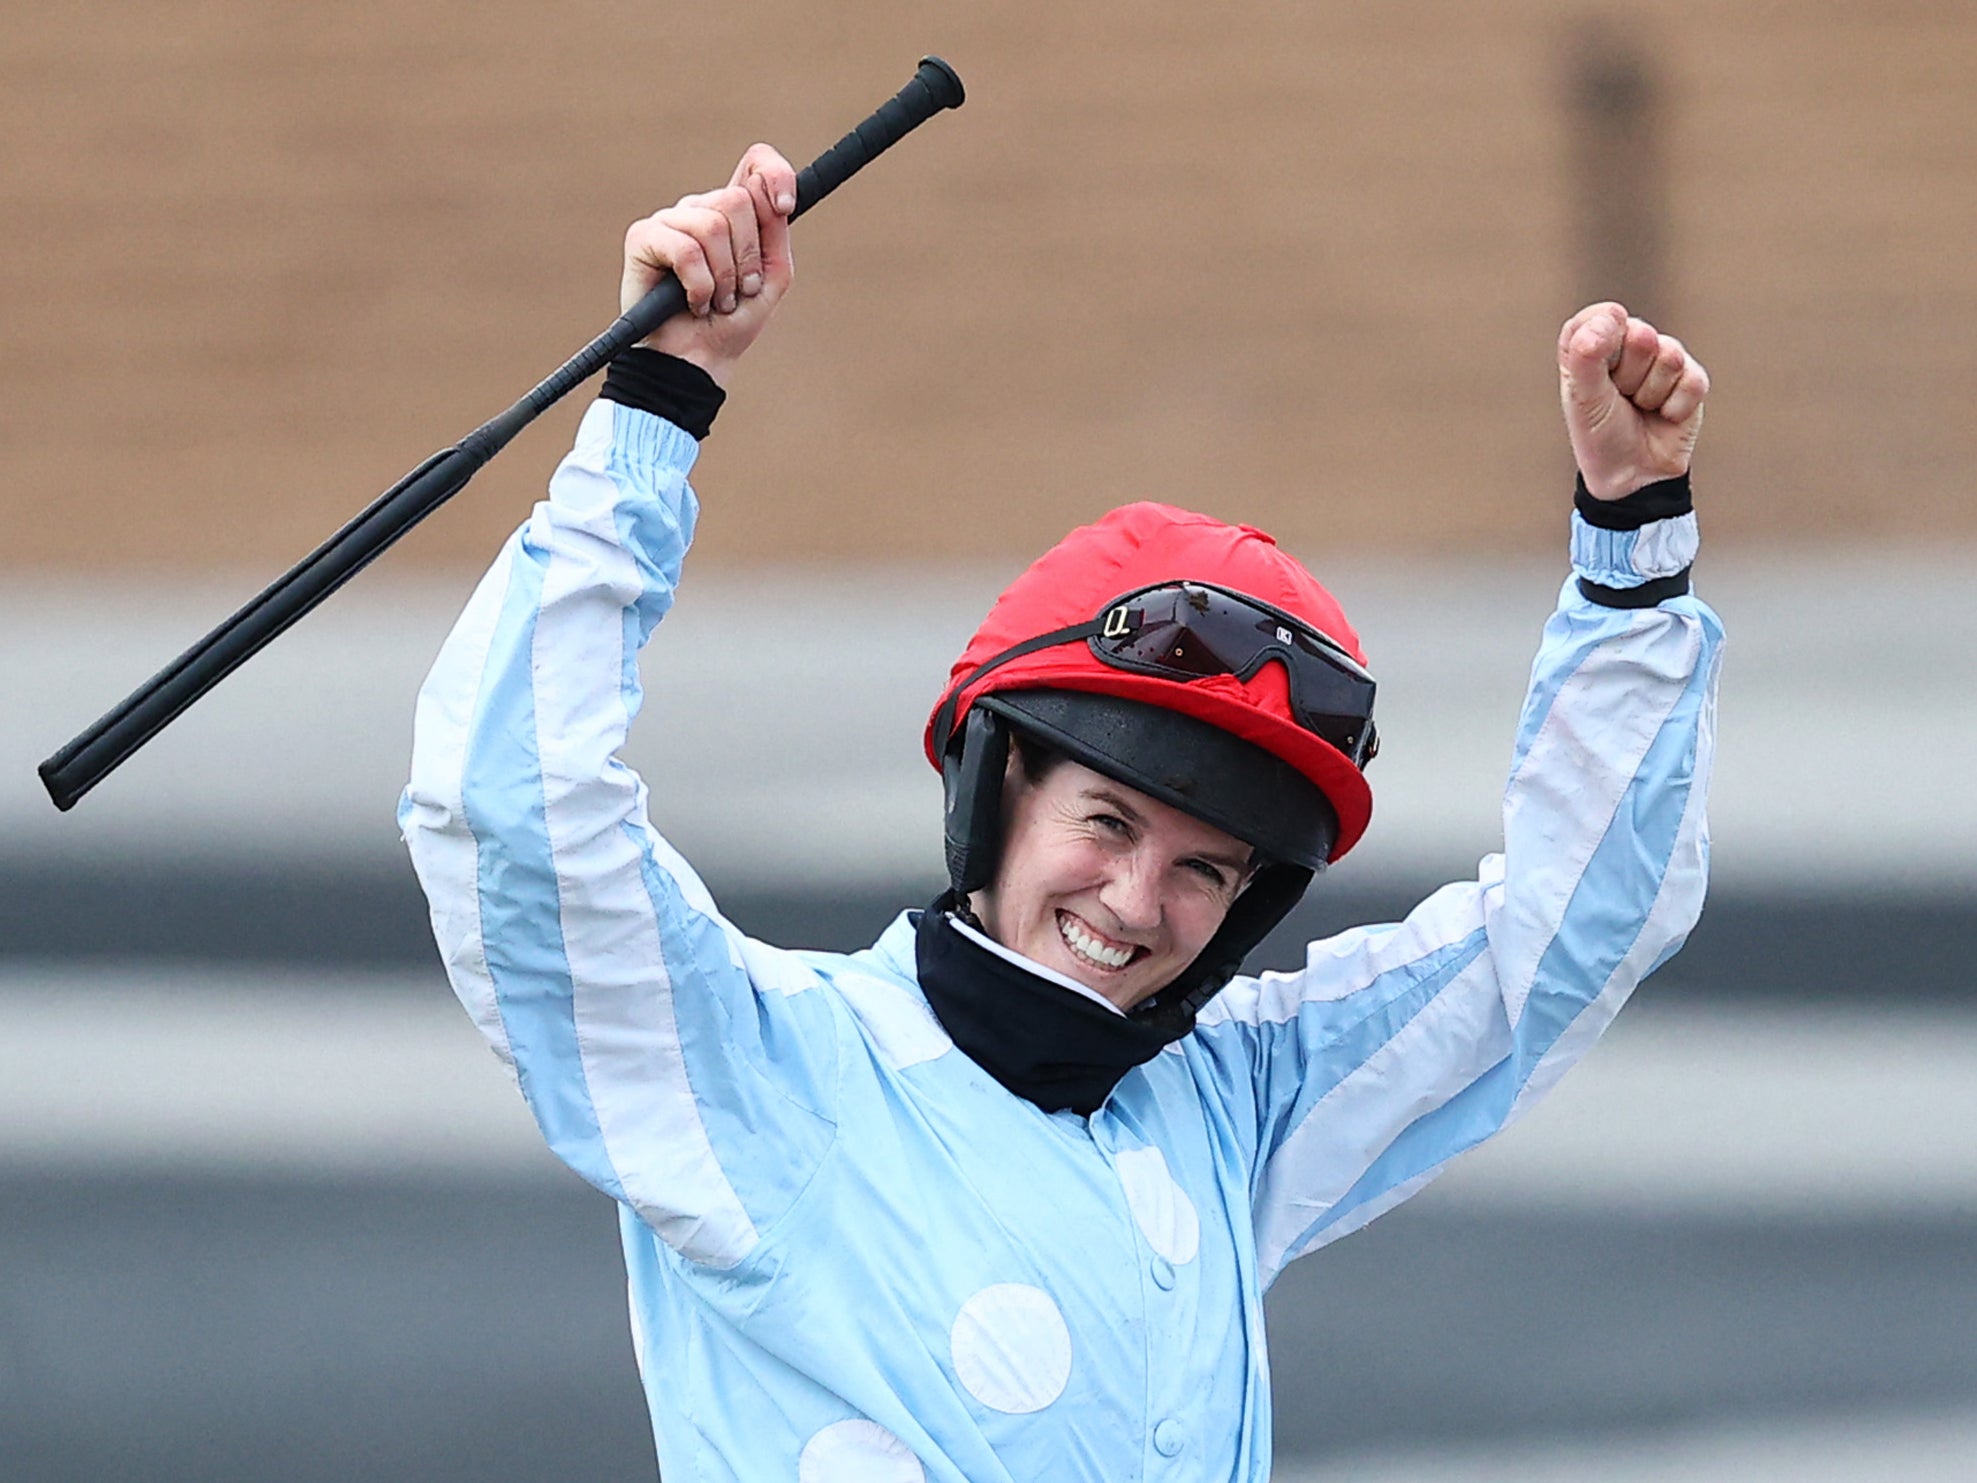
1297 264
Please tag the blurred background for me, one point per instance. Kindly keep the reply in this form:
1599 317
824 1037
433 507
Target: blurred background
267 1207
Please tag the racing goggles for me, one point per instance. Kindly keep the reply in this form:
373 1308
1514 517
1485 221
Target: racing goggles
1189 630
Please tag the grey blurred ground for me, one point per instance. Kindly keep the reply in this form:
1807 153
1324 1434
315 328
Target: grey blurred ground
267 1208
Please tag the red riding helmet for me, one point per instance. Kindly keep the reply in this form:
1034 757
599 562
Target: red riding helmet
1076 585
1191 660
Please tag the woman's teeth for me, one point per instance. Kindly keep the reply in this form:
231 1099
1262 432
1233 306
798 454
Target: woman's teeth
1088 947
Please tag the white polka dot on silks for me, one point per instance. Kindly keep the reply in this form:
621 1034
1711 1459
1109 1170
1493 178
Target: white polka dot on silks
1162 1209
1011 1348
857 1451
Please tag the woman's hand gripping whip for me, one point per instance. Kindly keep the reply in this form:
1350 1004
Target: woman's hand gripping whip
87 760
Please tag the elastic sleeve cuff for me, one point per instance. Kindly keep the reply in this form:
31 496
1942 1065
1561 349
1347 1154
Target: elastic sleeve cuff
665 386
1637 551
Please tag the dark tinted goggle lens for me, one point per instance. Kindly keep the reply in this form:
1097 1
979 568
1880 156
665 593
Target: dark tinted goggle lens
1188 630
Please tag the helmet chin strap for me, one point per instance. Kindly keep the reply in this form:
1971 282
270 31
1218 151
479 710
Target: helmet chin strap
963 910
1264 902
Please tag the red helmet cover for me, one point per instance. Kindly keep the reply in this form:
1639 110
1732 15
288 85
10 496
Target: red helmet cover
1143 545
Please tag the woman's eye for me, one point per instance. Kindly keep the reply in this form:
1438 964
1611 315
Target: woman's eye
1209 873
1110 823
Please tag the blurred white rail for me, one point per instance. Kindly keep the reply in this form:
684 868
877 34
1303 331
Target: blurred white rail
783 725
205 1073
1678 1113
1913 1449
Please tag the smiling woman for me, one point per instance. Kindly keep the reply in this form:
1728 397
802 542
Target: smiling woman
1213 714
999 1196
1107 885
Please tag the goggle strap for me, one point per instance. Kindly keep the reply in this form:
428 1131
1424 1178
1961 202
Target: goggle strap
944 718
1095 628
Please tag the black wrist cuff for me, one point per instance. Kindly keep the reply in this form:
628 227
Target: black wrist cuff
1662 500
665 386
1647 595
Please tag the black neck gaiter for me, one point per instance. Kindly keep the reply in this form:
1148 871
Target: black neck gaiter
1042 1041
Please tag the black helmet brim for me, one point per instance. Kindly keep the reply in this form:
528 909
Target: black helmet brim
1205 772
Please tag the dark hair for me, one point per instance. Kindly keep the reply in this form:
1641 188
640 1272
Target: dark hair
1037 759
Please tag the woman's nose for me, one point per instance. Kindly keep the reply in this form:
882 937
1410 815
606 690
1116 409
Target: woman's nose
1132 894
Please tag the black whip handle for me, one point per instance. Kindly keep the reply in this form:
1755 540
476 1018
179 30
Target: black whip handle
147 710
934 87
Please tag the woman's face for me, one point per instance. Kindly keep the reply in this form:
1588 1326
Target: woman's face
1106 885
